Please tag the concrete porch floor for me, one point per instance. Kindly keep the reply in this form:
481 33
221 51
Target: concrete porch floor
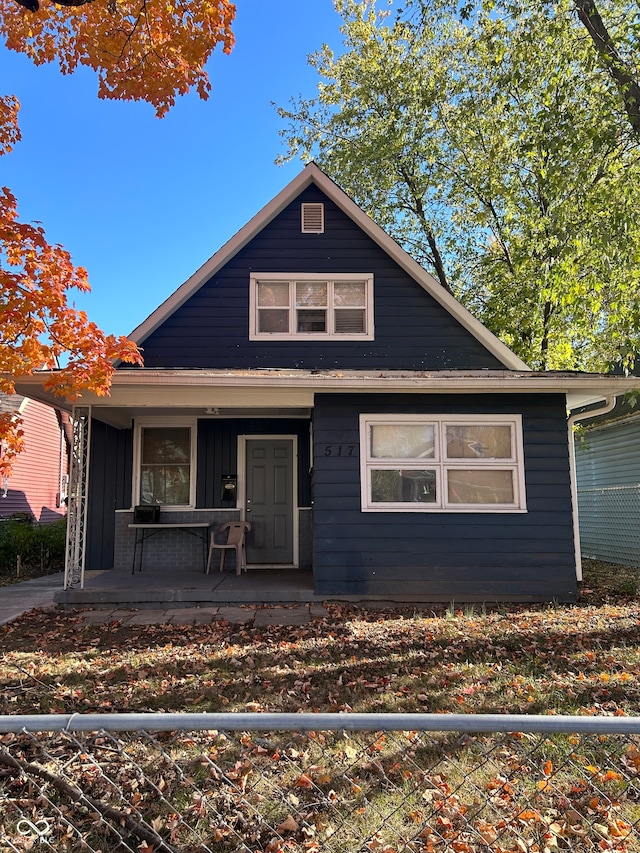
152 588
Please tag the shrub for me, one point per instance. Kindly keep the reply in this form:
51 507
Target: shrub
39 546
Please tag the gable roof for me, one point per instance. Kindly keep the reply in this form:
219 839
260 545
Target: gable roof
311 174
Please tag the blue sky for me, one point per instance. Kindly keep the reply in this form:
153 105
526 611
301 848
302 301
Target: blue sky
143 202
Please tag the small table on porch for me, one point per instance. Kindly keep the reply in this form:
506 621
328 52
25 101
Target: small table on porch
145 531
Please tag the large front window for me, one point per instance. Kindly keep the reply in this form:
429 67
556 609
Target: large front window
165 465
433 462
311 306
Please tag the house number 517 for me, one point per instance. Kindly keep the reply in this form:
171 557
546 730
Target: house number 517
339 449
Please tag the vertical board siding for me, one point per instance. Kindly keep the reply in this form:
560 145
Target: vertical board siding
111 472
109 488
123 460
445 555
34 485
412 330
608 476
218 454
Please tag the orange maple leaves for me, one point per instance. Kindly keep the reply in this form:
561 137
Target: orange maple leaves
149 50
9 130
38 329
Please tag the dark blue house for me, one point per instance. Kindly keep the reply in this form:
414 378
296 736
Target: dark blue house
315 380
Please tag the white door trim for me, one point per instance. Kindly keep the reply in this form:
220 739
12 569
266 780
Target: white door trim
242 493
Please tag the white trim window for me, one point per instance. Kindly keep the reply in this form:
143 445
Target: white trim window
426 463
310 306
164 470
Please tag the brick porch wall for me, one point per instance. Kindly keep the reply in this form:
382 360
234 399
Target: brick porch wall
176 548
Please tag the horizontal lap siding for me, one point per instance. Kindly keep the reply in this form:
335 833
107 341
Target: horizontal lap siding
412 331
34 484
608 475
609 456
464 556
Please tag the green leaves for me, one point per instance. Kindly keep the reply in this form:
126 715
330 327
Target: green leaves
491 145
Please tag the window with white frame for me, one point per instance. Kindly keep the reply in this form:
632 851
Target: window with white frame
422 463
311 306
165 469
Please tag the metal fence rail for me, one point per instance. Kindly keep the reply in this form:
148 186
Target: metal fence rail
322 783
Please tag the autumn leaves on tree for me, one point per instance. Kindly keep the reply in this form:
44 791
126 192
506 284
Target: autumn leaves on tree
150 51
499 142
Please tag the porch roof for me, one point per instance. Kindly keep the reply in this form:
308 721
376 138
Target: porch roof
135 392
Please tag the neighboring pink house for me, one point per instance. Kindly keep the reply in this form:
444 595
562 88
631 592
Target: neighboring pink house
39 478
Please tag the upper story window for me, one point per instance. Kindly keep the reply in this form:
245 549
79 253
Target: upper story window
165 465
311 306
421 463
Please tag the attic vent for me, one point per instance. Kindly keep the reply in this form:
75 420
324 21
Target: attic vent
313 218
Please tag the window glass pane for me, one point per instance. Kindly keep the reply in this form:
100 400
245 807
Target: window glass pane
164 484
165 469
478 441
403 441
273 293
273 320
480 487
166 444
311 293
312 321
349 293
403 486
349 321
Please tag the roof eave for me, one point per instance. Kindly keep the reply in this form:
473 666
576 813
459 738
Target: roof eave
312 174
223 255
193 387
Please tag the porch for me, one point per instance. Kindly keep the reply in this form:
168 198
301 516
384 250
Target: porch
156 587
160 588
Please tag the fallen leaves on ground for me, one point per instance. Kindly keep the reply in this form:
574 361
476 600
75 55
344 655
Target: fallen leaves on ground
443 791
574 659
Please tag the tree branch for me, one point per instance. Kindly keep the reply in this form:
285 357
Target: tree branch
418 209
34 5
77 796
618 69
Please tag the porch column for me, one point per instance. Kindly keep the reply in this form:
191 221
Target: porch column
78 498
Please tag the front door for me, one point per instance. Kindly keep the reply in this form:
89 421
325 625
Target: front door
270 501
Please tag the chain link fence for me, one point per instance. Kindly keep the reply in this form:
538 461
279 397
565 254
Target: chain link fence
321 783
609 529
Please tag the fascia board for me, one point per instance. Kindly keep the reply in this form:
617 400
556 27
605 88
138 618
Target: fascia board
32 387
193 387
312 174
579 390
419 274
